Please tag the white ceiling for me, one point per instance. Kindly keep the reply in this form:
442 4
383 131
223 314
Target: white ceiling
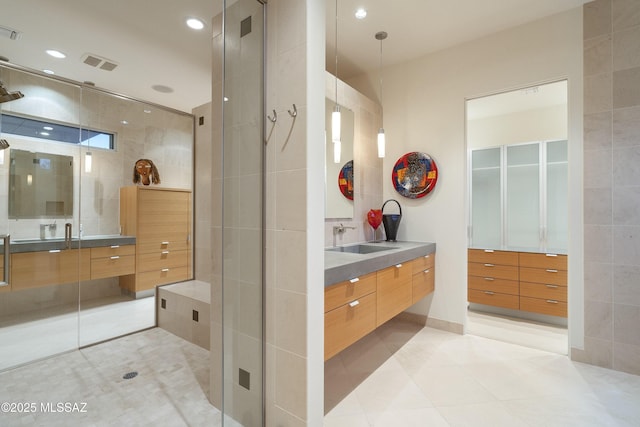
152 46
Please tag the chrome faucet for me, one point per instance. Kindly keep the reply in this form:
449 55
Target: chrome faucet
339 229
43 228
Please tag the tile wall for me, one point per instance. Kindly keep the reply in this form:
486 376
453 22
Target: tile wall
612 185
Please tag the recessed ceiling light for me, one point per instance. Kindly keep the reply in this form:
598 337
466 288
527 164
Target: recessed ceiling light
124 122
162 88
47 128
56 53
48 71
44 133
361 13
195 23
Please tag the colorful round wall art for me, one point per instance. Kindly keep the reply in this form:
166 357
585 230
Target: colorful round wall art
345 180
414 175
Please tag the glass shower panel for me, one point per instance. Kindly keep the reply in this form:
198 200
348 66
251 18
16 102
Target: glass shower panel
486 205
242 221
557 193
39 305
523 196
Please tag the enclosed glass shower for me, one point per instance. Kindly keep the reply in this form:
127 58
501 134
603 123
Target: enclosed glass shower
71 147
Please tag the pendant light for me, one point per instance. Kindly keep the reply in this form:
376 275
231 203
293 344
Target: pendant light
381 35
335 116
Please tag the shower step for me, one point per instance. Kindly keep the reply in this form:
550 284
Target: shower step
183 310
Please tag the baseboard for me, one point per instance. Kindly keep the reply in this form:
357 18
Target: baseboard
423 320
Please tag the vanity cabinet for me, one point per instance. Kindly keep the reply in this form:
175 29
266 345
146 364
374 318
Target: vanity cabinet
533 282
353 308
105 261
160 218
45 268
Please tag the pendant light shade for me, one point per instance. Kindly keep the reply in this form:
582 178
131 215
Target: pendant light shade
337 151
381 35
88 162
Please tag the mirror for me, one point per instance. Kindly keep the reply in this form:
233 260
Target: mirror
338 174
40 185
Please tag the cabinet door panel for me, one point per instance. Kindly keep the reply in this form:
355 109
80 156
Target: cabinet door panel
539 290
544 306
537 260
502 286
34 269
494 299
487 256
347 291
347 324
423 284
394 291
423 263
509 272
116 265
546 276
165 259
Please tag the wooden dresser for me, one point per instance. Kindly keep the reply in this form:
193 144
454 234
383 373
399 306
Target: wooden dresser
533 282
160 218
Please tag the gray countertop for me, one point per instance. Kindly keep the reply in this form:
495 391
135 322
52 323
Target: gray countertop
340 266
36 245
523 249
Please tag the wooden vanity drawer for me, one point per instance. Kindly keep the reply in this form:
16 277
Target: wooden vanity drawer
348 323
44 268
544 306
543 291
494 299
151 279
423 284
502 286
546 276
423 263
496 271
115 250
489 256
349 290
163 242
115 265
552 261
394 291
162 259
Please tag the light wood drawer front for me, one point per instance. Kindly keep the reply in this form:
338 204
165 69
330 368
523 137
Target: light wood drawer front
34 269
539 290
349 290
546 276
494 299
163 243
116 265
556 262
486 256
502 286
495 271
164 259
151 279
423 284
160 202
423 263
544 306
394 291
347 324
109 251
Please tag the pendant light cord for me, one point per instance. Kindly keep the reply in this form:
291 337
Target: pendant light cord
336 51
380 72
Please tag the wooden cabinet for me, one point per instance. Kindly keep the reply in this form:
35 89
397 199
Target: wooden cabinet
533 282
160 218
350 313
44 268
356 307
113 260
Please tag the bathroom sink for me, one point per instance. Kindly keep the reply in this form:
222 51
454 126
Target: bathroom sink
360 249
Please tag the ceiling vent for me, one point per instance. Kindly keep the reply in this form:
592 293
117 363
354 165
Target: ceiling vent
99 62
10 33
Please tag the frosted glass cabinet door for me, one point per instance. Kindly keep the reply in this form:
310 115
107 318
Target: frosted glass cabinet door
485 200
523 196
557 193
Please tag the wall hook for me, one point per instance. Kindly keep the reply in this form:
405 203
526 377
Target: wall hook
293 113
275 117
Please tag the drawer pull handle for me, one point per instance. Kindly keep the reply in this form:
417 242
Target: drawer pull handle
552 301
491 279
398 265
551 271
354 303
165 252
115 246
115 257
551 254
489 251
165 243
164 270
489 265
427 271
54 251
489 293
427 256
552 286
354 280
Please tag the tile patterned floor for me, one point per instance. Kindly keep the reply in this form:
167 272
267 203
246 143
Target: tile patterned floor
170 389
404 375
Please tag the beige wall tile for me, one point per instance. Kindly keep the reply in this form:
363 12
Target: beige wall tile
597 131
290 324
626 49
597 18
625 205
597 167
599 323
626 245
291 190
626 287
598 282
597 206
626 358
597 93
626 127
597 55
626 319
599 352
626 169
290 259
625 14
626 88
290 387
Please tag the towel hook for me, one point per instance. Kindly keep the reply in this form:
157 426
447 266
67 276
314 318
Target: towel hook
275 117
293 113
